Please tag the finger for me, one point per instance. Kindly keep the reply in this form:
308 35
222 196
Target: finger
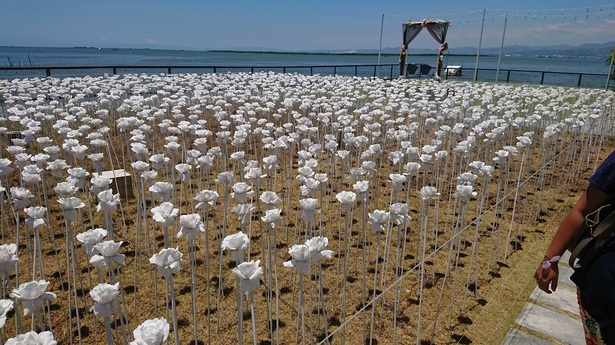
544 286
554 285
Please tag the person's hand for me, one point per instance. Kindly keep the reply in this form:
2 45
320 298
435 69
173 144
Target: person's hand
546 278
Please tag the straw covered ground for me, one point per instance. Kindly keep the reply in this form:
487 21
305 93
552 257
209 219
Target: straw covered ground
437 200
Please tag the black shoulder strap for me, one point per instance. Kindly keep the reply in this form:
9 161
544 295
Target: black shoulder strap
599 226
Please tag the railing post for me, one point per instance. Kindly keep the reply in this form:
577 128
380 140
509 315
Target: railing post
114 70
508 77
48 72
391 72
311 71
542 77
168 70
579 81
334 70
284 70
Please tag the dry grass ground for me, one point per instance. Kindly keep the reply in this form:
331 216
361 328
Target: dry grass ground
487 299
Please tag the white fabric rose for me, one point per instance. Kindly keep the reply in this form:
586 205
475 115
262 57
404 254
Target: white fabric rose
8 258
65 189
108 252
204 198
191 226
79 174
33 338
271 200
399 213
300 256
161 190
5 168
467 178
347 199
32 294
149 176
151 332
225 177
70 205
272 217
6 305
379 219
316 247
106 298
90 238
362 188
165 214
31 174
237 244
21 197
107 201
36 216
411 169
168 261
56 166
397 181
242 192
140 166
184 171
99 183
270 162
249 274
255 175
428 192
244 211
308 208
464 192
159 161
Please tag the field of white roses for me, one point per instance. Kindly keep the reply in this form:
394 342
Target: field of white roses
273 208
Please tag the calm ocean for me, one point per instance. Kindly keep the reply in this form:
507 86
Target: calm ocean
29 56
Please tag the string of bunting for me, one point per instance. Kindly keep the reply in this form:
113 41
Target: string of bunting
576 13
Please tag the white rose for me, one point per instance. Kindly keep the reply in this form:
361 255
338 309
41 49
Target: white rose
151 332
168 261
33 338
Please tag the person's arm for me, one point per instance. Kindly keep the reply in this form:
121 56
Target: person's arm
591 199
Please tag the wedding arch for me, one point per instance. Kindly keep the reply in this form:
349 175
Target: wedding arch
437 28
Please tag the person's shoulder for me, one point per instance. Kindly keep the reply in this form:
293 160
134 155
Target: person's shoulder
609 160
604 177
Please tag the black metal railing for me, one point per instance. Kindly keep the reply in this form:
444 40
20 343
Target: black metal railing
534 77
76 71
390 71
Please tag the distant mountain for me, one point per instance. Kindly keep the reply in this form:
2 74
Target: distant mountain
595 50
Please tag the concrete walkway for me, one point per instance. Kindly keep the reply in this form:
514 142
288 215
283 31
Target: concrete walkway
550 318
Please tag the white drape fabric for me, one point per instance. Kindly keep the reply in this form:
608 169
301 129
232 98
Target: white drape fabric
437 29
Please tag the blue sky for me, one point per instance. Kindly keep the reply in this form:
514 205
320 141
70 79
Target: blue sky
296 25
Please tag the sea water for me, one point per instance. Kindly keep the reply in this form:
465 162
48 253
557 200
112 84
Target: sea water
61 57
31 56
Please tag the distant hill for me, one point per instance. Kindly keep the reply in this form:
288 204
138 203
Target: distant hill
595 50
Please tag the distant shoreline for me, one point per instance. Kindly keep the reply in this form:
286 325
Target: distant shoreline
317 53
388 53
323 53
